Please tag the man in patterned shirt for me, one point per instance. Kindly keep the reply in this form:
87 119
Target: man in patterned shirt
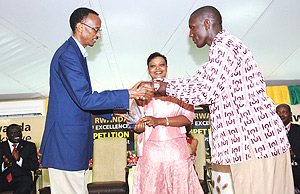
248 135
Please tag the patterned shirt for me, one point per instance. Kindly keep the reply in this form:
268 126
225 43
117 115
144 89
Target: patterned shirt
241 112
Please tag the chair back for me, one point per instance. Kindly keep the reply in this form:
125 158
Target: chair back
200 155
110 159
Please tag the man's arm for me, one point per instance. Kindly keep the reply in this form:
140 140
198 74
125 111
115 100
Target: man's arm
30 159
5 161
141 91
207 84
76 83
295 144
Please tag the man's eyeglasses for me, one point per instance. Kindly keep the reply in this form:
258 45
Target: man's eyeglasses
96 30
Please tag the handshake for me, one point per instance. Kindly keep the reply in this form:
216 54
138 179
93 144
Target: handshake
141 92
146 90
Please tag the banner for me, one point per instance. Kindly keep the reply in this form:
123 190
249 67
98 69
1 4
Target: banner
295 113
200 128
32 128
117 127
201 124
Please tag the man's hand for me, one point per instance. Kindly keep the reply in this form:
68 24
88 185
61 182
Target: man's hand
16 155
7 163
160 87
141 91
292 153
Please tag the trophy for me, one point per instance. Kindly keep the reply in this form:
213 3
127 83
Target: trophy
134 114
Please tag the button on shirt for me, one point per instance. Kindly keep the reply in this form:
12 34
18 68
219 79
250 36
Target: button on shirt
241 112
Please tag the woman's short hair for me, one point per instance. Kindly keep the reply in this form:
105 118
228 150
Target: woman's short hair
154 55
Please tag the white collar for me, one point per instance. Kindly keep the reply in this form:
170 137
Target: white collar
11 144
288 126
82 49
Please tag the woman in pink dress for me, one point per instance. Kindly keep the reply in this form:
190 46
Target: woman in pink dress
164 165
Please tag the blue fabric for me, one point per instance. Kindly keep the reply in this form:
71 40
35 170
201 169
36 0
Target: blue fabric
67 142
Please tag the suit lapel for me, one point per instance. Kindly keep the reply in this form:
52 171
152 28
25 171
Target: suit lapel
21 146
82 60
86 71
7 151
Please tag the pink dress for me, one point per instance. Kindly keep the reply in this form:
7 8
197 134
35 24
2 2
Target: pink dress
192 156
164 165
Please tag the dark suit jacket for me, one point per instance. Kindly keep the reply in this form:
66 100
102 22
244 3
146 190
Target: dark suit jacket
27 150
67 142
294 139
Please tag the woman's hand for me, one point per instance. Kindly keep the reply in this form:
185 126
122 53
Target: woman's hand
150 121
139 127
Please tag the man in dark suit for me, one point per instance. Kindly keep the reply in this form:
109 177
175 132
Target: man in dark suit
18 159
293 133
67 144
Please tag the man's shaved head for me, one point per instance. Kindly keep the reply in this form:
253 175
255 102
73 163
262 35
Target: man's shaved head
208 12
205 23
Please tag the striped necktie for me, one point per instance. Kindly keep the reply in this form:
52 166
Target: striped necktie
14 150
9 176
